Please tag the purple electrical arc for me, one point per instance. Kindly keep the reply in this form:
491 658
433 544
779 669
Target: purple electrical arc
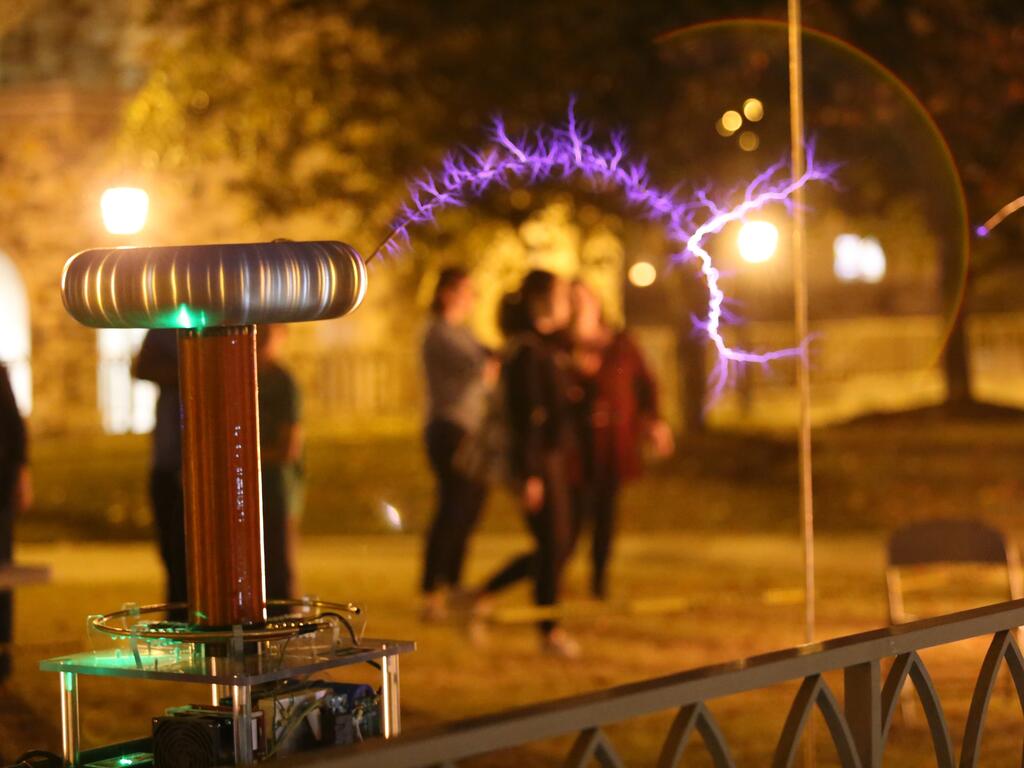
568 150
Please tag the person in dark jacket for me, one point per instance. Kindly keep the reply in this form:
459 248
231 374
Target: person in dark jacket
618 415
157 361
15 497
544 457
459 372
280 460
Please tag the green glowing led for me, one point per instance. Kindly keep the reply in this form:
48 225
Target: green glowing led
182 317
125 761
188 318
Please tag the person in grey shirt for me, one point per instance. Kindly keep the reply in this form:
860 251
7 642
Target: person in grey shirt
459 372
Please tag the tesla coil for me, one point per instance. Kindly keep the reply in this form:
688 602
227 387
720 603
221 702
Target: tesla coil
266 670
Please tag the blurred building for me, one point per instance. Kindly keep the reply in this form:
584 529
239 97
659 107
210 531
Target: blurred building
63 78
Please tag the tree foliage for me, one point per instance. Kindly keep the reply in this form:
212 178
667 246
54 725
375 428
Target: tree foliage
295 101
296 105
289 103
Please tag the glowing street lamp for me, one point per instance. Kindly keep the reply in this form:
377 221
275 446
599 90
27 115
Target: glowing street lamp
124 210
757 241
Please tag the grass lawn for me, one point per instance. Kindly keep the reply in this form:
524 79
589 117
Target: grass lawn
730 579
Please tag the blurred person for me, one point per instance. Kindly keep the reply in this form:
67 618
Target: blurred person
459 371
157 361
15 497
617 415
281 462
543 451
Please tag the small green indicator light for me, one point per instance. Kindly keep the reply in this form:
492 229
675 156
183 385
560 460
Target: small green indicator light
186 318
183 317
125 761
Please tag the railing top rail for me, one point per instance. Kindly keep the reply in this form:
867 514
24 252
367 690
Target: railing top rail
548 719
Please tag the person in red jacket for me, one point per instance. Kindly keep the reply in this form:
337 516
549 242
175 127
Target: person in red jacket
618 414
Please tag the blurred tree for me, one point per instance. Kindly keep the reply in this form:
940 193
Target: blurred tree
295 105
965 60
12 12
300 105
290 103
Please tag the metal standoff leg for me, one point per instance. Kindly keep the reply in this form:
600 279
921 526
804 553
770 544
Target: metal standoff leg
390 694
218 692
70 738
241 705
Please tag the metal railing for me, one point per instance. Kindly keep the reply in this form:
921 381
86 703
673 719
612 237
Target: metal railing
858 727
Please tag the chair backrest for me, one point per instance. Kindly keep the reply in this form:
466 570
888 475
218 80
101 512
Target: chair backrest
947 541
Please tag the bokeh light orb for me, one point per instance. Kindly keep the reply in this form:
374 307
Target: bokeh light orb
731 121
749 141
124 210
642 274
753 110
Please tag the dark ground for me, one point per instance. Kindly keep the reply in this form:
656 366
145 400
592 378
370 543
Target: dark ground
735 594
716 527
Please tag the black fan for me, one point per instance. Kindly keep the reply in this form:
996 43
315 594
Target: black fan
37 758
192 741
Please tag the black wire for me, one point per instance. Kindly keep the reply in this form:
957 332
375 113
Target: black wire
348 625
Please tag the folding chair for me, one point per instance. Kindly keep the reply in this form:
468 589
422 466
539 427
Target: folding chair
946 542
937 542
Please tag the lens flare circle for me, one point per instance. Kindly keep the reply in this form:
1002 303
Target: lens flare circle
904 185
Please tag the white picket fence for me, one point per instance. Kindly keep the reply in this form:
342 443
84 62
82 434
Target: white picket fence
858 365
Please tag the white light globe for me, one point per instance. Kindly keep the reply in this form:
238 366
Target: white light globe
757 241
124 210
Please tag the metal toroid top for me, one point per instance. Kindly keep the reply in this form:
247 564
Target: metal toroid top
202 286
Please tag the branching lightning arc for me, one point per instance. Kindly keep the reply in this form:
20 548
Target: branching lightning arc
569 150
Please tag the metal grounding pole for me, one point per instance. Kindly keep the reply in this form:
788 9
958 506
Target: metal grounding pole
798 163
800 320
796 125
